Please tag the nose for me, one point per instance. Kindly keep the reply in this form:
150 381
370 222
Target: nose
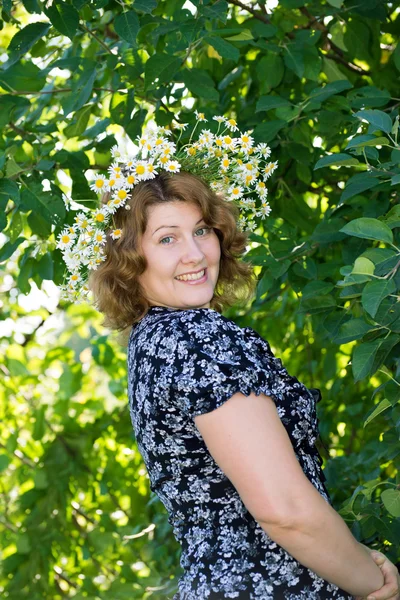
192 253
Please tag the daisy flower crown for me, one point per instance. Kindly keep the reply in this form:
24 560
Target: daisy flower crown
228 161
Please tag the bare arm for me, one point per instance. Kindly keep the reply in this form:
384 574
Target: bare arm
249 443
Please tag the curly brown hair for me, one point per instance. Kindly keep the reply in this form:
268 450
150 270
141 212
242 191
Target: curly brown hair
116 290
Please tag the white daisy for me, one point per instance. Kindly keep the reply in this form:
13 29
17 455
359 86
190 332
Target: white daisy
66 238
116 153
99 237
99 185
264 150
231 124
173 166
225 162
261 189
235 191
264 210
67 201
75 278
228 142
116 234
269 169
140 169
219 119
82 221
200 116
100 215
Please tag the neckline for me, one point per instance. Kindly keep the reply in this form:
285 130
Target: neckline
158 308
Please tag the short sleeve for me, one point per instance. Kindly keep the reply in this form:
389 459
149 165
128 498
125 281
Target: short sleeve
214 360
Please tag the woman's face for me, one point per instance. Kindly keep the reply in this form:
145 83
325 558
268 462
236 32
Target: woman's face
178 242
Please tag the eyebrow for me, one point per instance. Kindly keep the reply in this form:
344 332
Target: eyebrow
176 226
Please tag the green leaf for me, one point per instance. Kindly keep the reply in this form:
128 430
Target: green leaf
374 292
316 288
127 26
363 266
23 76
4 462
224 48
368 96
200 83
270 69
338 160
336 3
39 225
352 330
64 18
23 41
243 36
382 406
370 229
353 188
367 140
395 179
270 102
391 500
160 68
266 132
377 118
79 122
145 6
369 356
396 56
9 248
216 10
49 206
317 304
294 59
9 190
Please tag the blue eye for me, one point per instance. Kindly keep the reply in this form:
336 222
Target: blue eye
207 229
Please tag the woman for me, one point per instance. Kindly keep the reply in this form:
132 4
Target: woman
226 434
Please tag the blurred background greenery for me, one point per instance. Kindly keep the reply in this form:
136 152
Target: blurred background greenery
317 81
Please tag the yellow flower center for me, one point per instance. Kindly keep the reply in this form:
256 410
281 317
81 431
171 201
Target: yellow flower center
96 248
99 183
74 277
99 237
100 217
65 239
111 182
192 151
117 232
131 179
228 139
140 169
218 142
164 159
232 122
150 168
122 194
245 139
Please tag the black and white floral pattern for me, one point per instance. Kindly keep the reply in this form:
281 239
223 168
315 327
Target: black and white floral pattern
183 363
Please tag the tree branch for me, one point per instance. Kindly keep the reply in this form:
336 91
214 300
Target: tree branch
257 14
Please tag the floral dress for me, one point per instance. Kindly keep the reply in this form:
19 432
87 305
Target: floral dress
183 363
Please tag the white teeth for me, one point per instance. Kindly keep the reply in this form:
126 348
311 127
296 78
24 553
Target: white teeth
191 277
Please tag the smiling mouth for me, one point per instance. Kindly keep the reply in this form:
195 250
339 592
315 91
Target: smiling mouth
193 276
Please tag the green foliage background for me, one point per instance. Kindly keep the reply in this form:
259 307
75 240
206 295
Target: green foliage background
318 81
